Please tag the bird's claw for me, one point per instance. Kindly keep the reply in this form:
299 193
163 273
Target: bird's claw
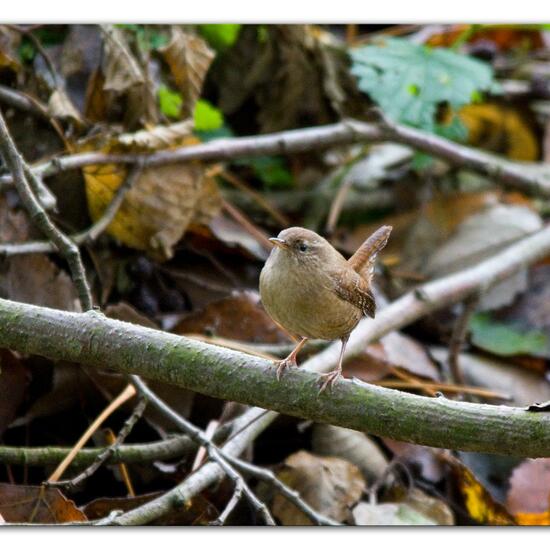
330 380
283 365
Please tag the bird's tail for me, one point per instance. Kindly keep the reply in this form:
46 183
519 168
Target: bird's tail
364 258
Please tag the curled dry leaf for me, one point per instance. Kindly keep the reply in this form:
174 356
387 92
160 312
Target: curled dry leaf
30 504
356 447
60 106
189 59
120 68
529 494
330 485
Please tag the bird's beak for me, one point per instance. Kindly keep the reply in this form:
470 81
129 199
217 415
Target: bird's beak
281 243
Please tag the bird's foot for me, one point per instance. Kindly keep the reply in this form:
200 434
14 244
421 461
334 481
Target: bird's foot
283 365
330 380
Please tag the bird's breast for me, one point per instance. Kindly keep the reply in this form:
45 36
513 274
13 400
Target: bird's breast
304 302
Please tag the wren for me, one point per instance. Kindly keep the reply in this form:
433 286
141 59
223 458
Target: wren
312 291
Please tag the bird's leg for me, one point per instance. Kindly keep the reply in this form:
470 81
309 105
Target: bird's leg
290 361
332 376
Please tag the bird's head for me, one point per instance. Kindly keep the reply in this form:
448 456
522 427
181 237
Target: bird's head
302 245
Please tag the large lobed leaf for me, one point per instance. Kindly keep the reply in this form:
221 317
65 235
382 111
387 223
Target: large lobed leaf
409 81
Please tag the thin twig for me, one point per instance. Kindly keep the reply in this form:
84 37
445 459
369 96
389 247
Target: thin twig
234 180
214 452
84 237
135 453
38 215
72 484
126 394
242 220
529 178
458 336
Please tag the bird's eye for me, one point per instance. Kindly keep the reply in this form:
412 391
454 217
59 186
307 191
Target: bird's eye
302 247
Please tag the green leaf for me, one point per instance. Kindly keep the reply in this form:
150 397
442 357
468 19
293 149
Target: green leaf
220 37
170 102
207 117
506 339
410 81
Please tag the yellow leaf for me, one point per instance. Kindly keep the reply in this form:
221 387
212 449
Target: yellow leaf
163 201
478 501
501 129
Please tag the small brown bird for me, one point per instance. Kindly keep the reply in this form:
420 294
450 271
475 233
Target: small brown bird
312 291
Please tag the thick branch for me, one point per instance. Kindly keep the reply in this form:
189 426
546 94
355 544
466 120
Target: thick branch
531 178
95 340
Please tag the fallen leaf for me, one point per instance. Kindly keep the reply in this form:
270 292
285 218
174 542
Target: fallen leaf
330 485
355 447
189 59
60 106
478 501
479 236
198 511
423 457
403 351
529 491
30 504
388 514
429 507
237 317
35 279
164 200
121 70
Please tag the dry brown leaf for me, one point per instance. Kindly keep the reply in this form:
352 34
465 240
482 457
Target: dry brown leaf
237 317
330 485
199 511
30 504
120 68
35 279
356 447
189 59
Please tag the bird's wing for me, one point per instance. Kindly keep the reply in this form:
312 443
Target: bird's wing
364 258
351 287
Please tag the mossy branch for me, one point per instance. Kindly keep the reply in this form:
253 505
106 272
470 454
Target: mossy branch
92 339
